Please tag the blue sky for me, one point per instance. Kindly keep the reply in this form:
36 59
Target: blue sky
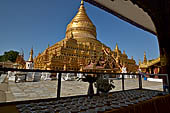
37 23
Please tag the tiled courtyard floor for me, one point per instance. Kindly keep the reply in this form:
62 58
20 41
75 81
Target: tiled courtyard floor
48 89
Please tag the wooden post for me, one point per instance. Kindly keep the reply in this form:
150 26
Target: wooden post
123 82
140 81
59 86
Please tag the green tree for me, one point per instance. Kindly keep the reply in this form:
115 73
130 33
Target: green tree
10 55
1 58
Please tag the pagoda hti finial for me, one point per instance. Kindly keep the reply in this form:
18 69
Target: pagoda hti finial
82 2
31 52
144 55
124 52
117 48
31 55
145 59
139 62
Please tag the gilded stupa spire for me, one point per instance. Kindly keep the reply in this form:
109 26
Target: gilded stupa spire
124 52
139 62
117 48
82 2
81 25
81 14
31 55
145 59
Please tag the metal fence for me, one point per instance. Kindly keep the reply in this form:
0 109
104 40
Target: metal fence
60 74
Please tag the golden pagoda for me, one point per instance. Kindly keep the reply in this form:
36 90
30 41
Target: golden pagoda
20 62
79 47
150 66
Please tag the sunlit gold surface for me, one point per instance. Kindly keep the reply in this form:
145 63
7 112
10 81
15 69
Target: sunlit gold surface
20 62
149 65
79 47
31 56
81 26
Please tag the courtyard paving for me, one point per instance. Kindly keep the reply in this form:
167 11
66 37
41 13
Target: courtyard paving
48 89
